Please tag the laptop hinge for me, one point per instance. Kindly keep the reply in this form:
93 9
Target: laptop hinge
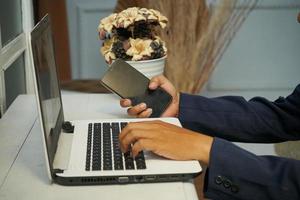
68 127
58 171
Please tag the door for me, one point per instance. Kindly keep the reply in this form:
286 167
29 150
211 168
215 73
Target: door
83 20
58 16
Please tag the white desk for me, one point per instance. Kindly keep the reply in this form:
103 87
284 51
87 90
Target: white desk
22 164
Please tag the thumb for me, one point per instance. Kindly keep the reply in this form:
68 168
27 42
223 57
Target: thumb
157 81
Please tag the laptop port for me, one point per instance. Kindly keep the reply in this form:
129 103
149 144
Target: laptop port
123 179
163 178
174 177
139 178
150 178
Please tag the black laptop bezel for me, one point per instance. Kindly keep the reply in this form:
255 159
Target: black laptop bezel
38 30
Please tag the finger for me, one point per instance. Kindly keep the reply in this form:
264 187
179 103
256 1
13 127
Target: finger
133 111
153 85
156 81
125 103
156 126
145 114
131 137
140 145
131 126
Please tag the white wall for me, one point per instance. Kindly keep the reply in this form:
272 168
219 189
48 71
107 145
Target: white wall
263 59
83 20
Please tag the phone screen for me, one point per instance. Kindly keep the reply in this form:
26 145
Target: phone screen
127 82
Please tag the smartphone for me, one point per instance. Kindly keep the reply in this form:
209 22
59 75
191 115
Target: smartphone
127 82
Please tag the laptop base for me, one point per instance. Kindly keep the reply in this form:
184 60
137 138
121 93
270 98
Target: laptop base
108 180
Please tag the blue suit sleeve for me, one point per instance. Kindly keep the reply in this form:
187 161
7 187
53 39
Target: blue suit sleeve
237 174
235 119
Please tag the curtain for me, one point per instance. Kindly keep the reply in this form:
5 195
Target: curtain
197 35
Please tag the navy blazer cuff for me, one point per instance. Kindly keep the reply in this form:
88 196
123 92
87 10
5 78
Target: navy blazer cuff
235 173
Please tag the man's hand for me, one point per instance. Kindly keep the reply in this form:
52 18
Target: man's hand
143 111
166 140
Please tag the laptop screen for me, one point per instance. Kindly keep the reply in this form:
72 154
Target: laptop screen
47 84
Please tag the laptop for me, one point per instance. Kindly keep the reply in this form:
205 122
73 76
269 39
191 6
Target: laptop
87 152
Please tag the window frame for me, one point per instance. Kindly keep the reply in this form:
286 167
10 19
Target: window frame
14 49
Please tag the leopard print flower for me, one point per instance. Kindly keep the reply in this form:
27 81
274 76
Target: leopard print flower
106 50
162 20
160 41
128 17
145 12
139 48
107 23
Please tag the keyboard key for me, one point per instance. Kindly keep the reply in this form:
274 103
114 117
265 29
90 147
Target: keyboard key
96 160
141 166
107 167
115 128
119 167
88 151
123 124
140 161
118 159
128 160
129 165
109 156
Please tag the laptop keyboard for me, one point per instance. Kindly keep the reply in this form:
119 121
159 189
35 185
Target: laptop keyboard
103 149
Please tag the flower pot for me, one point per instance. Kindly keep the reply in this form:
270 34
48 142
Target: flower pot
149 68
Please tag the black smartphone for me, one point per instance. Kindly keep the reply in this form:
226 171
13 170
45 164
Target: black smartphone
127 82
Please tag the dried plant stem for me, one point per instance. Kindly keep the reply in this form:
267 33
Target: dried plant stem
196 36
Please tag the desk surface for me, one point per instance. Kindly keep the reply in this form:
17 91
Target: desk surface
22 165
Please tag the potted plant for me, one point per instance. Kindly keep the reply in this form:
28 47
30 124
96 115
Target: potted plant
131 35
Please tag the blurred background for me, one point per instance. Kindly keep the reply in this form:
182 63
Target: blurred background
251 48
261 55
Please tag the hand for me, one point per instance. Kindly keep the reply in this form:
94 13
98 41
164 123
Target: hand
166 140
143 111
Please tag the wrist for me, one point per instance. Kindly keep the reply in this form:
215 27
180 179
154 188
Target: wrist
202 146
